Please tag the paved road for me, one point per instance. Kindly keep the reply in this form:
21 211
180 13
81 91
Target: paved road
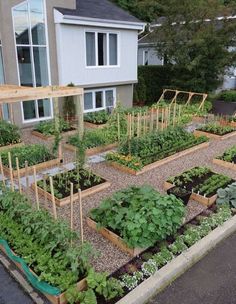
10 291
211 281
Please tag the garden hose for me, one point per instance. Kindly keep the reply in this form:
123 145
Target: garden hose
32 278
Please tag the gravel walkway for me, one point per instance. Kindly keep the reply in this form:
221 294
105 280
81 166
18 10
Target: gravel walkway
110 257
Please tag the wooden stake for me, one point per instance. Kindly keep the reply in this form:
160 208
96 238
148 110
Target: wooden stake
18 174
2 173
36 189
179 115
157 118
152 120
71 206
26 176
138 125
53 199
130 126
11 171
81 217
45 188
118 126
162 119
133 124
174 114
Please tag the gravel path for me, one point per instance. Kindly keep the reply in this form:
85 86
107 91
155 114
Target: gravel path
110 257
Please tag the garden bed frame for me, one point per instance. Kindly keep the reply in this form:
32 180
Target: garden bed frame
196 197
93 151
8 147
214 136
66 200
30 170
224 163
159 162
114 238
51 137
60 299
91 125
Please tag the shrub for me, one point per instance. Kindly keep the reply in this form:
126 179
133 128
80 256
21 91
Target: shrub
228 96
99 117
141 216
48 127
9 134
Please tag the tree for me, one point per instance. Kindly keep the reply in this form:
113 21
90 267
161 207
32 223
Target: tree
196 42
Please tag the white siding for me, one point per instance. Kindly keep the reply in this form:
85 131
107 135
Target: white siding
72 57
153 59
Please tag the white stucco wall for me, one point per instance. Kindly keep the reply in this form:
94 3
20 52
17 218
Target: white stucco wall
72 57
153 59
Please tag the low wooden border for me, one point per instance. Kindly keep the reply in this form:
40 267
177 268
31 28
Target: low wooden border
91 125
199 119
60 299
51 137
92 151
114 238
214 136
159 162
228 123
65 201
197 197
38 167
224 163
4 148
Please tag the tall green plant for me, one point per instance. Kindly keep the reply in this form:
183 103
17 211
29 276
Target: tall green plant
69 108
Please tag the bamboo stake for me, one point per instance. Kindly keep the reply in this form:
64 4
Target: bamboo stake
152 120
11 173
138 125
2 173
162 119
118 126
144 123
53 199
130 126
26 176
179 115
174 114
157 118
45 188
81 217
18 174
36 188
71 206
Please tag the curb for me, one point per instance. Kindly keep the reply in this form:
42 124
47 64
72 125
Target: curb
167 274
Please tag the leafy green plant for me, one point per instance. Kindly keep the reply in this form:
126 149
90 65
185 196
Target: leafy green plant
163 257
141 216
217 129
34 154
178 246
98 117
227 195
9 134
128 161
47 128
229 155
84 297
149 267
227 96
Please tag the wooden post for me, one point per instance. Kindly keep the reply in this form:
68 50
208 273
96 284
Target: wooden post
174 114
45 188
26 176
133 124
11 113
138 125
144 123
81 217
152 120
130 126
179 115
36 188
2 173
18 174
157 118
162 119
71 206
11 171
53 199
118 126
167 117
79 101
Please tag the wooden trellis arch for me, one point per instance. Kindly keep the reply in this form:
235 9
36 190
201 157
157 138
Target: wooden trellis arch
189 95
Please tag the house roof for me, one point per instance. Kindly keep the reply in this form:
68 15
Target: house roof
99 9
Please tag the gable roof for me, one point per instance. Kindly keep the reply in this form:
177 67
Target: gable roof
99 9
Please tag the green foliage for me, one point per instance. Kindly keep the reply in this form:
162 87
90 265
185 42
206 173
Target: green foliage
217 129
44 244
227 195
229 155
178 246
227 96
34 154
141 216
47 128
9 134
163 257
69 108
84 297
140 90
128 161
99 117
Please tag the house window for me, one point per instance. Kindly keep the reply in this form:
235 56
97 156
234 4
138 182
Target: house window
146 58
32 54
101 49
4 108
100 99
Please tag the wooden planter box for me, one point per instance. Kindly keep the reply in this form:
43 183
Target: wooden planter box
4 148
51 137
65 201
214 136
196 197
159 162
91 125
228 123
224 163
199 119
115 239
41 166
92 151
60 299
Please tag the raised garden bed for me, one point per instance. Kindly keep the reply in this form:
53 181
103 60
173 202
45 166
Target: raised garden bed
92 151
154 150
202 182
11 146
96 120
135 218
9 136
89 184
37 156
228 159
216 131
46 130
